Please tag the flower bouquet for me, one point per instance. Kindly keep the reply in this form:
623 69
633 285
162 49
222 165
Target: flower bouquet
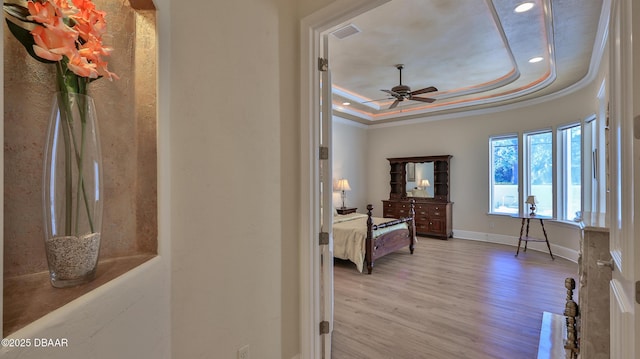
69 35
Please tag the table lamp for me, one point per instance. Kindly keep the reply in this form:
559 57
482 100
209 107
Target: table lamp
531 200
425 183
343 185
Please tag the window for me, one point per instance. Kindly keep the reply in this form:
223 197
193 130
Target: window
539 170
504 174
570 172
551 169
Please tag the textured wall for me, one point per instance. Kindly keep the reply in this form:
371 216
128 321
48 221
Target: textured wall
126 111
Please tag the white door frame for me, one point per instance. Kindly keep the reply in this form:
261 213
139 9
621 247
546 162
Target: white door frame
624 249
635 100
311 29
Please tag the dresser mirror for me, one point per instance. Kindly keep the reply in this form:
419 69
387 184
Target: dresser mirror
419 179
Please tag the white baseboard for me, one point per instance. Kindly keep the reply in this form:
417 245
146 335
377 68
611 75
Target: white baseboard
559 251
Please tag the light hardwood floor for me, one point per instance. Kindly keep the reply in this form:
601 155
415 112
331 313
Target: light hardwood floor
450 299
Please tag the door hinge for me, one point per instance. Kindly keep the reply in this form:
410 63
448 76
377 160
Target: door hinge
638 292
324 238
323 64
324 153
324 327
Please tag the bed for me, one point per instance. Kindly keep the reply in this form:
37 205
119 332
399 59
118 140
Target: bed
362 238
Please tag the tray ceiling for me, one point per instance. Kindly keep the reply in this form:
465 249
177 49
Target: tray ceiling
477 53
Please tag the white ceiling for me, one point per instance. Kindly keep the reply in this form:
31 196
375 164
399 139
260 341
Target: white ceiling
475 52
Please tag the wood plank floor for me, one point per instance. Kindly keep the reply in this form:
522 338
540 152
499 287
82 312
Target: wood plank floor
450 299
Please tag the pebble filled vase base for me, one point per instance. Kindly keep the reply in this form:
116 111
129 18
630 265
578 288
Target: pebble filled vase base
72 188
72 260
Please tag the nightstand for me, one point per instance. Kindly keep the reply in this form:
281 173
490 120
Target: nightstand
345 210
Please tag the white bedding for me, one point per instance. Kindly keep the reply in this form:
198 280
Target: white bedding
350 234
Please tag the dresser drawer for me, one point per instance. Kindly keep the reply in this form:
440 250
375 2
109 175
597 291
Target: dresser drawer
422 210
390 206
437 211
422 228
422 218
402 209
389 209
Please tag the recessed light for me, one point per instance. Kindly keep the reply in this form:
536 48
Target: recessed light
526 6
533 60
346 103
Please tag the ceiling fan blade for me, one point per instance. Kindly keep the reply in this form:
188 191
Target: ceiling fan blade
422 99
380 99
394 104
424 90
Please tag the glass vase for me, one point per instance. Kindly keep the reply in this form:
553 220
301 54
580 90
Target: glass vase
72 190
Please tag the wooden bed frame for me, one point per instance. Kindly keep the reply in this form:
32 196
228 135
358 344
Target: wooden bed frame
391 241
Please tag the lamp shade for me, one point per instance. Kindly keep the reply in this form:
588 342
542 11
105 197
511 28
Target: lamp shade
425 183
343 185
531 200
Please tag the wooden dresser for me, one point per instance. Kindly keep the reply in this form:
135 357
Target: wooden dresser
424 179
433 219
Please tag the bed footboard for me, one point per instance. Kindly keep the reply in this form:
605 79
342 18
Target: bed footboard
391 241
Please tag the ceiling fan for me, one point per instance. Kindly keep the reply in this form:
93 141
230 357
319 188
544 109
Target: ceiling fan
403 92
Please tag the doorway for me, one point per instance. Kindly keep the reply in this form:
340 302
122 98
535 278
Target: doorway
322 21
313 296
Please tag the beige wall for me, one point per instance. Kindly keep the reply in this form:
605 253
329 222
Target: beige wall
350 162
226 231
234 130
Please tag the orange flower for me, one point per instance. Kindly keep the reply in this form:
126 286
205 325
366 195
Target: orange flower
84 5
53 42
78 47
44 13
64 8
89 21
81 67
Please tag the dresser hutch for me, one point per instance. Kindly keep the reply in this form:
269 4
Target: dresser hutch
424 179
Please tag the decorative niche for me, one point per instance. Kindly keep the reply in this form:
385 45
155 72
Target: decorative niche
127 116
